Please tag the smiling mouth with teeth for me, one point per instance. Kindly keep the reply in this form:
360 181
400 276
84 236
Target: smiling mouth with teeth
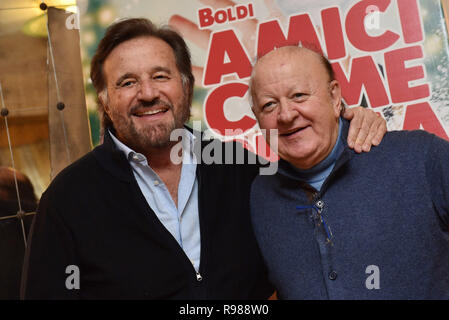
149 112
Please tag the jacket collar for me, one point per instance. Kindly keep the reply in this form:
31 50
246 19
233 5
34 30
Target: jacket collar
115 161
112 159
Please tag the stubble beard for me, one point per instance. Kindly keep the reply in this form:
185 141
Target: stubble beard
151 137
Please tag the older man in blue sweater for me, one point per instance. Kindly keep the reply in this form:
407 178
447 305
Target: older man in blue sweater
334 224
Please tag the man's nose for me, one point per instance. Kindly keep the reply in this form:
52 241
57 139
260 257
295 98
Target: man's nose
147 91
286 113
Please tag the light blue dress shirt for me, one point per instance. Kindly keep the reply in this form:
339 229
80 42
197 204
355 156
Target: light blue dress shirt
182 221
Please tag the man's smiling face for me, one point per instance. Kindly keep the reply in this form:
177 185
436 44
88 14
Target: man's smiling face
292 92
145 100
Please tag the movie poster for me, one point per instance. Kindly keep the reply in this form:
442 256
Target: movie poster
389 55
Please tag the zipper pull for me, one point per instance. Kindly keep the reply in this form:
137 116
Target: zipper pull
320 205
198 277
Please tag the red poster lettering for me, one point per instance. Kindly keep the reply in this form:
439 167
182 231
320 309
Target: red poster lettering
214 108
300 29
399 76
421 115
363 73
221 43
220 16
205 17
242 12
333 33
355 27
410 21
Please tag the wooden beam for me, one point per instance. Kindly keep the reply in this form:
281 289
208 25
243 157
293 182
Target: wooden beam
445 5
67 145
24 130
23 74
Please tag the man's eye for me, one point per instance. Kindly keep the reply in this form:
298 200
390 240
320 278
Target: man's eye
160 77
298 95
268 105
127 83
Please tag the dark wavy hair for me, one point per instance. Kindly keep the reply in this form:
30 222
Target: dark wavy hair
128 29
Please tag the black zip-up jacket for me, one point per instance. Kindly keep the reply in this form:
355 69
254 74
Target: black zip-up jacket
93 216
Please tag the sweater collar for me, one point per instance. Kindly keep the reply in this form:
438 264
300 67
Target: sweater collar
342 154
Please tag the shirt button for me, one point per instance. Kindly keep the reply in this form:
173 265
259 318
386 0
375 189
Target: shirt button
333 275
156 183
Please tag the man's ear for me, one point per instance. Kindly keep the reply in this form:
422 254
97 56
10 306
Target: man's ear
335 92
103 99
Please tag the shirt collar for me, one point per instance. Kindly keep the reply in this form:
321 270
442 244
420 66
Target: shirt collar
188 140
